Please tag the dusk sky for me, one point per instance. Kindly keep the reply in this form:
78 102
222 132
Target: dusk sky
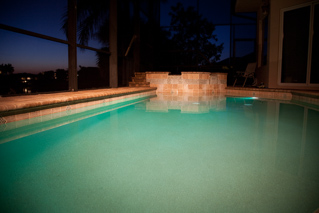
30 54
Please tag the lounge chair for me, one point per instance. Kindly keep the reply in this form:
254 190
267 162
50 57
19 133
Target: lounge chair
248 73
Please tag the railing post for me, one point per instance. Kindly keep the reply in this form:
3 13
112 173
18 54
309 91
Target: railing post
113 45
137 33
73 78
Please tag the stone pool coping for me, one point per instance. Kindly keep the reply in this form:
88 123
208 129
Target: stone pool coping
30 105
300 96
23 107
17 104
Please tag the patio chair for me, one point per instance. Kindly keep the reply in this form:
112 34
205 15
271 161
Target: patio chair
248 73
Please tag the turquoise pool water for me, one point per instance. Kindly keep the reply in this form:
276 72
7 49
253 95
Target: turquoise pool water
166 154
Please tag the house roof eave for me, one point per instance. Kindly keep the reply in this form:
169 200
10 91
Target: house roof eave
246 6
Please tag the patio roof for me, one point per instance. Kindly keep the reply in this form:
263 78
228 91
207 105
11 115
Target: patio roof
245 6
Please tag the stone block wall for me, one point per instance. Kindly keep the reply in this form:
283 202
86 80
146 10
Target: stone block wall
186 103
196 83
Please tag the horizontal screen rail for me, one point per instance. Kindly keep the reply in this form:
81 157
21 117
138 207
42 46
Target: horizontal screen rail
38 35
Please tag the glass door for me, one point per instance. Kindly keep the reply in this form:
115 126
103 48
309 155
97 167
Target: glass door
314 76
295 45
300 45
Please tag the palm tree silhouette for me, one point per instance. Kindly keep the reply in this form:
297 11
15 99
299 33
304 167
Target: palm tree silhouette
93 23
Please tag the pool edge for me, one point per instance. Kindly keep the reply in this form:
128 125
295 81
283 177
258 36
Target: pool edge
57 108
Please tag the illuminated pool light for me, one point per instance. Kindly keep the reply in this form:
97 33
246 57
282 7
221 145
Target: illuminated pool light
248 98
251 98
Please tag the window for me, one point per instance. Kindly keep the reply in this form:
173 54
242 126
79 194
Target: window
314 76
299 45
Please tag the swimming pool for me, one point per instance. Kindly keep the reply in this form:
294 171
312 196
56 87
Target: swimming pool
166 154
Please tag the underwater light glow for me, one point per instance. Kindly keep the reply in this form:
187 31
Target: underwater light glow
248 98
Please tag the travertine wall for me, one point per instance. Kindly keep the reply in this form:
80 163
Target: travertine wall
196 83
186 103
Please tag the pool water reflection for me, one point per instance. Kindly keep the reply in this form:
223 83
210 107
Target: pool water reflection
167 154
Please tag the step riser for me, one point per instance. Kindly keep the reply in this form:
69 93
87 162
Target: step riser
131 84
139 80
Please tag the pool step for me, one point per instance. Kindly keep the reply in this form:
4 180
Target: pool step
139 80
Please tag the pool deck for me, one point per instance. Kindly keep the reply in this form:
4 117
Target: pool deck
300 96
24 103
307 93
19 104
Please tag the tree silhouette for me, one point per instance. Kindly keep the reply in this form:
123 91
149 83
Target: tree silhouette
193 33
92 18
6 79
93 22
6 69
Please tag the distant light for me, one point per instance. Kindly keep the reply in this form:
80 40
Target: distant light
196 103
254 98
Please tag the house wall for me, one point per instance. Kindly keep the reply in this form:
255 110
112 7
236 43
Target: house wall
274 42
262 73
268 74
195 83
